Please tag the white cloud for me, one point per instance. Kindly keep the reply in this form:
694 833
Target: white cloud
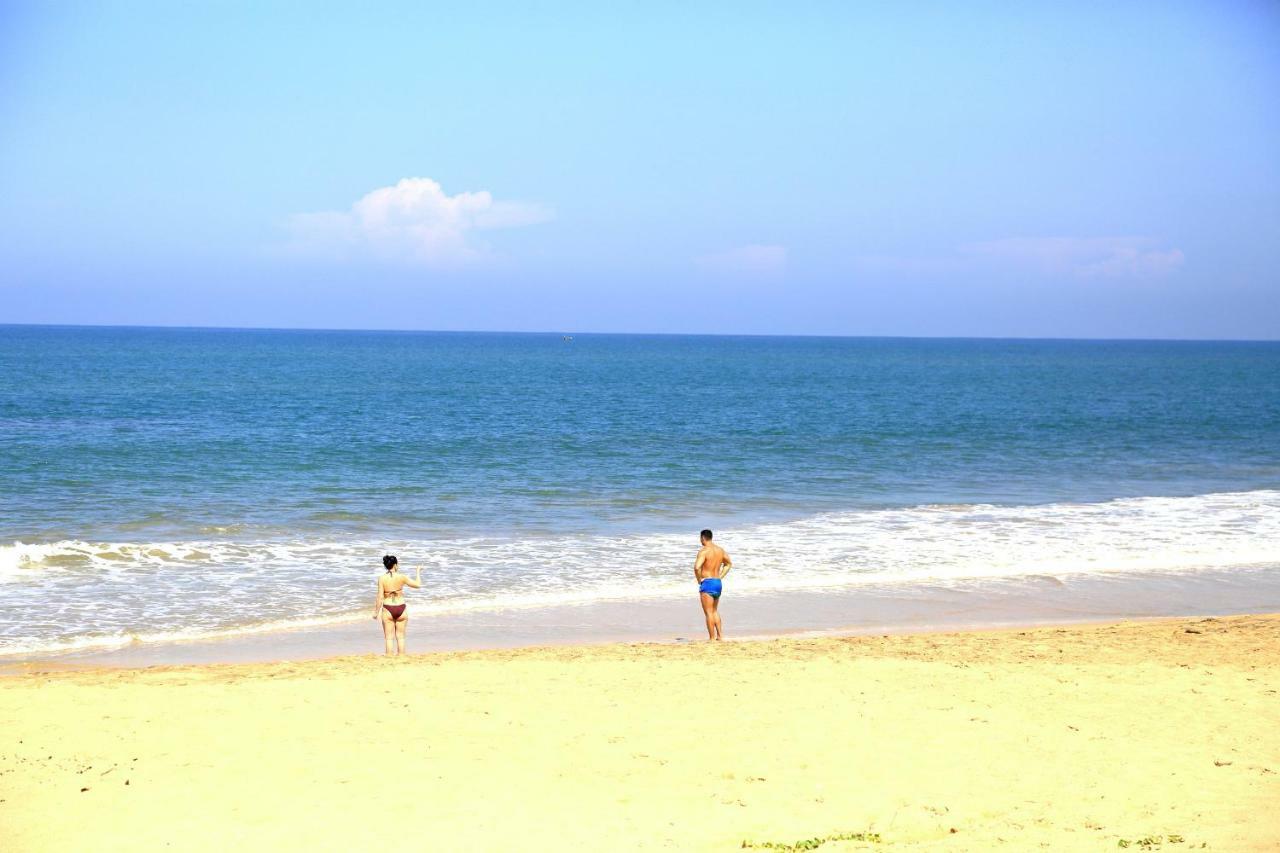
756 260
413 222
1088 257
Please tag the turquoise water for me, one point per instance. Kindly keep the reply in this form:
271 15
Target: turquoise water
236 469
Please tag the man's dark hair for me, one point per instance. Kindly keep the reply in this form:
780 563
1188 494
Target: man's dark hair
706 534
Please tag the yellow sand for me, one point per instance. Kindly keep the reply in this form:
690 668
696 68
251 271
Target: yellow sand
1058 739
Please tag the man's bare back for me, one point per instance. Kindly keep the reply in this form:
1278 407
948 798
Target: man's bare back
711 559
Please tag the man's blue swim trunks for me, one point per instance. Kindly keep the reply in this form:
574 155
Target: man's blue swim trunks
711 586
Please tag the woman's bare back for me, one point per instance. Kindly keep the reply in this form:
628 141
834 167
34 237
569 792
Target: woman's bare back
392 587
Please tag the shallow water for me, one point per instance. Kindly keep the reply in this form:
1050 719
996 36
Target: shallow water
249 478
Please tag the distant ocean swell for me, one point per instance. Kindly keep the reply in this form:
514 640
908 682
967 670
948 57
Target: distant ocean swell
100 595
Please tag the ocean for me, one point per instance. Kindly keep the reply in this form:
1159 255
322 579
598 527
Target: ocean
166 484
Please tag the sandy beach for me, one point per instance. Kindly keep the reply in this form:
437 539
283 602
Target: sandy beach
1158 734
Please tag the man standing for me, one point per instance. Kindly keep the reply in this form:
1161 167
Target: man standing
709 569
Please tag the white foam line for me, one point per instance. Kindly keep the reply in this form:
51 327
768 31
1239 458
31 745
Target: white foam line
95 584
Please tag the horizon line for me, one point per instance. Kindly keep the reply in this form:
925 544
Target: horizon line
185 327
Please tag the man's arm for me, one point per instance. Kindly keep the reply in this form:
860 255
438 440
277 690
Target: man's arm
697 564
728 564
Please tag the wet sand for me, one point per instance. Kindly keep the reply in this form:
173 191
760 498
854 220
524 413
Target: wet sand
1068 738
867 608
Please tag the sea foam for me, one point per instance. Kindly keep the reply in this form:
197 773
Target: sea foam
89 594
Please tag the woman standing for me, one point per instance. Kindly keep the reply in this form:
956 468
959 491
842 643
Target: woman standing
390 604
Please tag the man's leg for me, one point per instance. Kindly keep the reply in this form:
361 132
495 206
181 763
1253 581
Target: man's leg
709 611
715 610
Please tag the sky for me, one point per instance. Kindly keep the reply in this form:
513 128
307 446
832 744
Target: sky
828 168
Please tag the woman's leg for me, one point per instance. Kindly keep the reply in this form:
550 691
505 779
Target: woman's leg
709 611
389 632
401 627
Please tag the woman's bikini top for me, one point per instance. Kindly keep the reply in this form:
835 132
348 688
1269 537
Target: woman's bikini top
389 593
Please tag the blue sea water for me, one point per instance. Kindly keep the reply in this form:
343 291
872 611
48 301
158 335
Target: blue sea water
236 469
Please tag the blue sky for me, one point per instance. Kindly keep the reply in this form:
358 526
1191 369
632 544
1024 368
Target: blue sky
1015 169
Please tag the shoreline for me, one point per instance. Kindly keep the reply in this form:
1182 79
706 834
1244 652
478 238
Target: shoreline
1010 739
53 667
902 608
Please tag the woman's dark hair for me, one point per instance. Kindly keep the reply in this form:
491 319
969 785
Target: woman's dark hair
389 561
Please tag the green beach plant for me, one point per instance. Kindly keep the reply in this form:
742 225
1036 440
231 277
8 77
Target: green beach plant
814 843
1151 841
